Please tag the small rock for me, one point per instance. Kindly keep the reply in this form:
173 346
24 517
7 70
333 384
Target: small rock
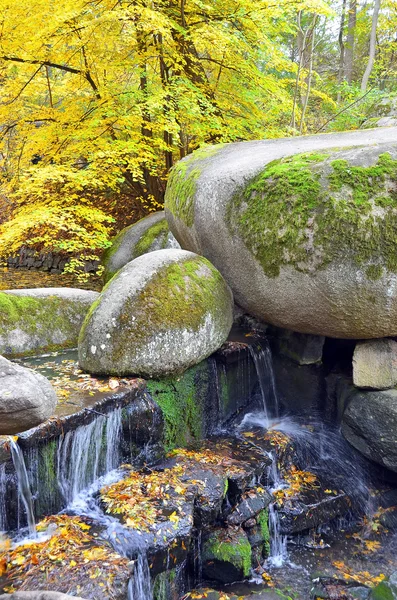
375 364
26 398
302 348
249 507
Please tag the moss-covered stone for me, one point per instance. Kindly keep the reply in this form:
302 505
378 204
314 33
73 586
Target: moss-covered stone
147 235
183 181
32 323
162 313
182 401
263 522
311 209
227 556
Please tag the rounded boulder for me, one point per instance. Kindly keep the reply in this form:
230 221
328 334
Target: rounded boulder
303 229
26 398
147 235
162 313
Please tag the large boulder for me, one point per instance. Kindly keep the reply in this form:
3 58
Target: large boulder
33 321
370 423
375 364
306 241
162 313
26 398
149 234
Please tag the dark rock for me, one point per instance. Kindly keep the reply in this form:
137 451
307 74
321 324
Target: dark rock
387 499
249 507
39 596
389 518
304 349
369 424
298 515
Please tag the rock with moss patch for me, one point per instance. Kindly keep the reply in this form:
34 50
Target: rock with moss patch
303 230
33 321
226 556
385 590
375 364
162 313
149 234
26 398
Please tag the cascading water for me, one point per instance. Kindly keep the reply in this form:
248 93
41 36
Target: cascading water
24 491
140 587
262 358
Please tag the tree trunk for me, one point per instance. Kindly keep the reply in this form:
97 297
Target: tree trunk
351 32
372 47
341 71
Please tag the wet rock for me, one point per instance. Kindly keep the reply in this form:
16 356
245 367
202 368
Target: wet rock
369 424
389 518
226 556
253 503
26 398
375 364
39 596
387 499
314 273
162 313
386 590
302 348
299 514
359 593
42 319
149 234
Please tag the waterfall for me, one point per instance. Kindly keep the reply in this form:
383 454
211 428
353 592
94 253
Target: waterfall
3 492
262 358
278 542
80 454
140 587
24 491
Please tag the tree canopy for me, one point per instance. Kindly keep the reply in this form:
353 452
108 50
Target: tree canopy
99 98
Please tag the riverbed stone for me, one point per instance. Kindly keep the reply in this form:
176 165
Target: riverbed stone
375 364
149 234
370 423
26 398
301 229
162 313
226 555
304 349
34 321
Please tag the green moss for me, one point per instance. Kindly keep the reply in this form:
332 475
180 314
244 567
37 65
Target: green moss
158 230
180 295
52 323
302 212
384 591
374 272
263 522
164 587
236 550
182 184
182 402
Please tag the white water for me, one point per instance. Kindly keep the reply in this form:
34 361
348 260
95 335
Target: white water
262 358
24 491
140 586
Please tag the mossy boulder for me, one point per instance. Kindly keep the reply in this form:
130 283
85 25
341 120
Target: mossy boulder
26 398
162 313
386 590
303 230
33 321
226 556
149 234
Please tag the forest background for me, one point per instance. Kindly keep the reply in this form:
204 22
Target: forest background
99 98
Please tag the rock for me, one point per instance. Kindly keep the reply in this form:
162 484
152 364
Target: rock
375 364
34 321
226 556
359 592
249 507
149 234
306 241
162 313
302 348
369 424
389 518
386 590
39 596
26 398
300 515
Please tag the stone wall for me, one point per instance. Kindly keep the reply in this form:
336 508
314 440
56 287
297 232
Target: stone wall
28 258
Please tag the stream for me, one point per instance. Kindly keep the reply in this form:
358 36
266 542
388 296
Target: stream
88 460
